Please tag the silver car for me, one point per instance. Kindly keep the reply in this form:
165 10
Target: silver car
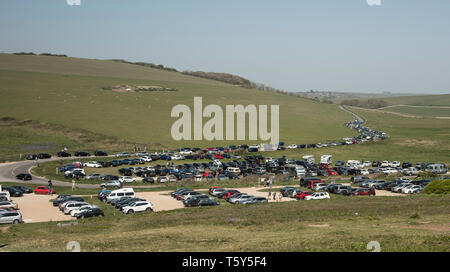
10 217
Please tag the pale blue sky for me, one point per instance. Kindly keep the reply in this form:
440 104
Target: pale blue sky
337 45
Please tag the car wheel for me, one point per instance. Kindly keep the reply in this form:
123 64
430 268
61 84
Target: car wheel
130 211
16 222
148 210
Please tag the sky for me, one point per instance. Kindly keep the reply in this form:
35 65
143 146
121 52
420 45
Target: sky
399 46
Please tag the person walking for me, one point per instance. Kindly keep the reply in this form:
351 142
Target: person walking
274 195
73 184
280 196
270 183
50 184
269 194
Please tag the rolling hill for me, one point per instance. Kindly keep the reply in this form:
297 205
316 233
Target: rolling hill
71 93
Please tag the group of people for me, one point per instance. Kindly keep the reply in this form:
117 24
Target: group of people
276 197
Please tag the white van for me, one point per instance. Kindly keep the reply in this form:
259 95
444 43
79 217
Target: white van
234 170
354 164
326 159
128 192
438 168
309 158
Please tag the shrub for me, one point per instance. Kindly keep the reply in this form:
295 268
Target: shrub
438 187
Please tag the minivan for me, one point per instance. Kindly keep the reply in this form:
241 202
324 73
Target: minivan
10 217
128 192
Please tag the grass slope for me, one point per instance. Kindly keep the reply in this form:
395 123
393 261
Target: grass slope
420 100
69 92
411 223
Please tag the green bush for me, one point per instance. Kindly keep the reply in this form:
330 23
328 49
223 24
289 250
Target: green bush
438 187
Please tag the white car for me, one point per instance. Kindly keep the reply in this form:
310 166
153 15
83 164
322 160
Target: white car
390 171
411 171
147 158
398 188
292 146
176 157
80 170
186 152
125 179
93 164
385 164
76 212
319 186
394 164
365 172
410 189
319 195
138 206
73 206
367 164
123 154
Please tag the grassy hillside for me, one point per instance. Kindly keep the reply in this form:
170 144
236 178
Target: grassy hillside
68 92
409 223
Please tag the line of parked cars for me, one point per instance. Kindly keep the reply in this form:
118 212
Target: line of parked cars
125 200
77 207
192 198
234 196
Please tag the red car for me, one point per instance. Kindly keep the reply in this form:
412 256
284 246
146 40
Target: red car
43 190
220 157
364 191
331 172
302 195
209 149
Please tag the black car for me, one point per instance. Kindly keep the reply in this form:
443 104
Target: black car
90 213
13 191
23 189
82 154
62 199
100 153
63 154
24 176
406 164
207 202
44 156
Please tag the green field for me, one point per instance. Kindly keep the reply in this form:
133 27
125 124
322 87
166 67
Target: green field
68 92
420 100
412 223
420 111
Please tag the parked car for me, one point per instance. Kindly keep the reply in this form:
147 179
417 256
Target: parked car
8 205
12 191
10 217
73 206
319 195
100 153
90 213
82 154
302 195
44 190
139 206
111 184
23 189
44 156
255 199
363 191
63 154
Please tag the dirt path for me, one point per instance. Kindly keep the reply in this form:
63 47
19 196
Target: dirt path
38 208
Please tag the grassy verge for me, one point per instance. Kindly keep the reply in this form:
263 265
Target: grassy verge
413 223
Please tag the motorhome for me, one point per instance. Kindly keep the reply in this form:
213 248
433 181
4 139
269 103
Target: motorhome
438 168
326 159
296 170
309 159
354 164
